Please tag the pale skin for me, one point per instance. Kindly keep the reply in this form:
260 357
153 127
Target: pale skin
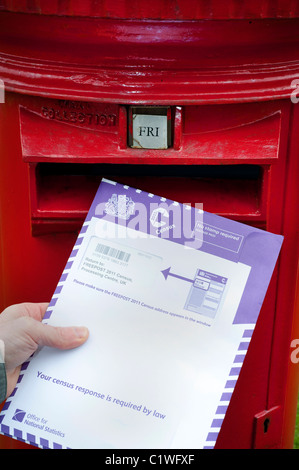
22 332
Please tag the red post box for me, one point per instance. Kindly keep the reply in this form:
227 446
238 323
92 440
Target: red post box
222 78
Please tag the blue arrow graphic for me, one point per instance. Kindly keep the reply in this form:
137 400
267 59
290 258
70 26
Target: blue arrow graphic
166 273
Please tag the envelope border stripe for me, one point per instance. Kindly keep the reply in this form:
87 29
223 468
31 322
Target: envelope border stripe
228 391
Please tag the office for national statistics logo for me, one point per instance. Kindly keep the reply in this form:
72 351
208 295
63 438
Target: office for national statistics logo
19 415
121 206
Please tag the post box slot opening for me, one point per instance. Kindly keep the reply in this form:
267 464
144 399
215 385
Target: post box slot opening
66 190
243 171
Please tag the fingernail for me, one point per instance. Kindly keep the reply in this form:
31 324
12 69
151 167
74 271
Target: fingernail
81 331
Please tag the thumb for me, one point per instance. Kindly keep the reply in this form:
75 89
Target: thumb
66 337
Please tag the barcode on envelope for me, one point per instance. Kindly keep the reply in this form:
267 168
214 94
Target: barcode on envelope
112 252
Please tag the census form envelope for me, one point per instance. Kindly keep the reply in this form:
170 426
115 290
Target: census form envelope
164 289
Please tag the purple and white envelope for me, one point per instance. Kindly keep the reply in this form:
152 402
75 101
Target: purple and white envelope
171 296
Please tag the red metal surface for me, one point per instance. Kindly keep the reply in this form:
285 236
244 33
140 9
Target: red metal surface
156 9
242 132
267 428
290 277
149 61
69 82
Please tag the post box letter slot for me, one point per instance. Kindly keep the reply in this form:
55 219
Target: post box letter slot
61 193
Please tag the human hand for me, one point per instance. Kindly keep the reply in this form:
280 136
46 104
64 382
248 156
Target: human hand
22 332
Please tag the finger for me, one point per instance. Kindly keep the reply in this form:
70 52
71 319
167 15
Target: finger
36 310
33 310
67 337
13 312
